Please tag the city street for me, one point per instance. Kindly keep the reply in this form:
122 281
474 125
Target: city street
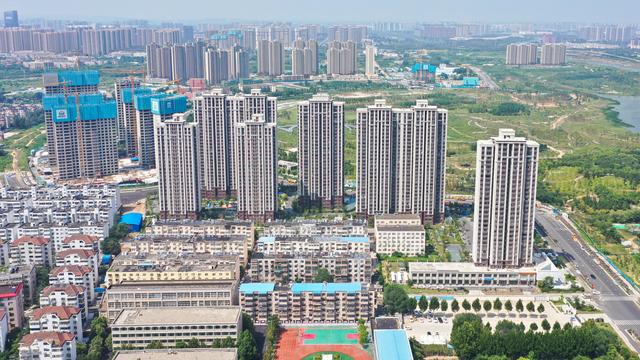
610 294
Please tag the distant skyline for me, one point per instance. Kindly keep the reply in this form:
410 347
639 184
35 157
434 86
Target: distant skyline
356 11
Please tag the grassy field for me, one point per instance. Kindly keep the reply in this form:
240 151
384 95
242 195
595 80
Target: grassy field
23 143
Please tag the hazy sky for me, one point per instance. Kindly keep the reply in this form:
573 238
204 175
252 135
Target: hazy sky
602 11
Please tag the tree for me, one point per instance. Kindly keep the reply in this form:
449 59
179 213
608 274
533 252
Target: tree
486 305
545 325
247 323
466 305
395 299
416 349
540 308
556 326
476 305
194 343
497 304
466 335
455 307
363 333
323 275
410 305
531 307
155 344
533 327
434 303
423 304
519 306
508 306
444 305
247 348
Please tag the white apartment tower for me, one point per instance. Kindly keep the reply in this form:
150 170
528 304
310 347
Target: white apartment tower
521 54
176 146
553 54
506 174
341 58
256 159
370 60
321 151
401 160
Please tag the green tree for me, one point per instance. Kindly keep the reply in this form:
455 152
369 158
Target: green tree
476 305
519 306
423 304
556 326
486 305
444 305
410 305
466 335
247 348
508 306
155 344
531 307
395 299
434 303
533 327
466 305
455 307
545 325
323 275
363 333
497 304
540 308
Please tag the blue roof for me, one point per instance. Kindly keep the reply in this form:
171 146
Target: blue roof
142 102
126 93
79 78
392 345
331 288
424 67
169 105
355 239
132 218
69 112
471 81
51 101
267 239
260 288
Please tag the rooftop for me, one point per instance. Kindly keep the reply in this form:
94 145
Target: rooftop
134 286
178 354
35 240
260 288
52 337
173 263
63 312
71 290
463 267
392 345
407 228
163 316
330 288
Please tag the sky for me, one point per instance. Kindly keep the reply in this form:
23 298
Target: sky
356 11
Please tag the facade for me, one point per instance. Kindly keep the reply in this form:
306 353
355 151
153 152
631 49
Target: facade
370 60
309 303
127 115
75 275
48 345
304 267
57 318
304 58
204 228
321 151
31 250
125 125
138 328
21 274
82 242
401 233
342 58
4 330
256 160
521 54
338 228
401 160
186 267
270 57
178 354
169 294
12 302
80 257
324 244
468 275
504 216
176 146
66 295
553 54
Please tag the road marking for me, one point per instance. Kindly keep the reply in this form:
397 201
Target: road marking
627 322
617 298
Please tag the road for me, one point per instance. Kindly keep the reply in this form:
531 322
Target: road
131 196
613 299
485 78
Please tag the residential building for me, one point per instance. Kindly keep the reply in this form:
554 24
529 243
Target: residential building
216 66
66 295
340 228
354 33
176 146
400 162
304 267
304 58
370 60
138 328
12 302
31 250
204 228
127 117
124 125
522 54
178 354
256 160
75 275
83 242
309 302
80 257
504 216
553 54
21 274
319 244
4 330
47 345
186 267
11 20
321 151
468 275
400 233
168 294
270 57
57 318
342 58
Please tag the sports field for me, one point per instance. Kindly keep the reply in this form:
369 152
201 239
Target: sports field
330 336
312 343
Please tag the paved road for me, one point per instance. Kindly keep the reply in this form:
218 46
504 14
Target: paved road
614 301
485 77
131 196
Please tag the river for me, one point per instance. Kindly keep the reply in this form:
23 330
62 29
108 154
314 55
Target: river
628 110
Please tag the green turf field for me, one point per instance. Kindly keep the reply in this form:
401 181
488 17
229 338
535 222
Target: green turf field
331 336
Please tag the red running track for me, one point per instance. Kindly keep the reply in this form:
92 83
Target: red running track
290 347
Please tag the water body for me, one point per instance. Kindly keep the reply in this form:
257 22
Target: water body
628 110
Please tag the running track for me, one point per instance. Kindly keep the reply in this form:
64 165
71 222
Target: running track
290 347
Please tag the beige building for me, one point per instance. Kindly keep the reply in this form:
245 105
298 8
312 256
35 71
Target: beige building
31 250
167 294
401 160
341 58
57 318
178 354
186 267
138 328
256 160
521 54
401 233
304 267
204 228
66 295
553 54
341 228
80 257
75 275
370 60
12 302
321 151
505 196
468 275
176 146
48 345
327 244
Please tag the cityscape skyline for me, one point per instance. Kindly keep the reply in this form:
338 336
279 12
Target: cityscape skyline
353 11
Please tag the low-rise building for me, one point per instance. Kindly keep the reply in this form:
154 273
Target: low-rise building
138 328
309 303
12 302
294 244
316 227
399 233
468 275
204 228
4 330
171 267
196 244
25 274
80 241
178 354
48 345
75 275
65 295
163 294
355 267
57 318
31 250
80 257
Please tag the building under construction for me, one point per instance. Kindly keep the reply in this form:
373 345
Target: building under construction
127 114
